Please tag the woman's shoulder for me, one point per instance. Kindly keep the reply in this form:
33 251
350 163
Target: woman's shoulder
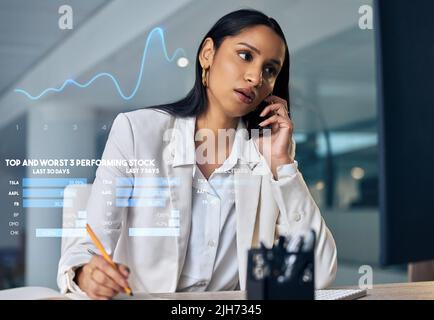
130 129
148 114
146 122
146 119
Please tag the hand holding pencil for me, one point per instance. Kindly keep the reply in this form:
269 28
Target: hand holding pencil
101 278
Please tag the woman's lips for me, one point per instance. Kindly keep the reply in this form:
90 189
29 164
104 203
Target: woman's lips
243 98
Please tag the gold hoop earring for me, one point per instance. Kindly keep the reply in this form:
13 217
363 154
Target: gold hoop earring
204 77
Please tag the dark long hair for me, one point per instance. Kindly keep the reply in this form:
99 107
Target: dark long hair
231 24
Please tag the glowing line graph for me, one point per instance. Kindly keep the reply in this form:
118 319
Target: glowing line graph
110 76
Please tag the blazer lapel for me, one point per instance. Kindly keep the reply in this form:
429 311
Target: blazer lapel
180 198
247 189
179 163
247 192
247 184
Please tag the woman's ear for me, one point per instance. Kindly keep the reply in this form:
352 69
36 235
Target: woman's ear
206 54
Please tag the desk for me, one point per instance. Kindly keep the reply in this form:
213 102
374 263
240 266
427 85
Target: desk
402 291
393 291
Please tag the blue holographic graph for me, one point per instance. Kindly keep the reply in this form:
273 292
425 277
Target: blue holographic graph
157 31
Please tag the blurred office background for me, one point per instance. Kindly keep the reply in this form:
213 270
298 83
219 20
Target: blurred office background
334 107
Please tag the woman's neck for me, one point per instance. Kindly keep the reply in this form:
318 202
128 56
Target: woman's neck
214 120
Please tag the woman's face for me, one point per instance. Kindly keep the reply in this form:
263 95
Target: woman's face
249 62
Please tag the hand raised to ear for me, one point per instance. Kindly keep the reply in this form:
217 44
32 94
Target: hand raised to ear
276 147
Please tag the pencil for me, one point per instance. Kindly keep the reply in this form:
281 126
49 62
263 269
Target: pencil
104 254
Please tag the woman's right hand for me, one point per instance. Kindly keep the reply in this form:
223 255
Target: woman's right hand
99 280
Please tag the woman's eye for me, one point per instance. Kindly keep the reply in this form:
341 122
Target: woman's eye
270 71
247 55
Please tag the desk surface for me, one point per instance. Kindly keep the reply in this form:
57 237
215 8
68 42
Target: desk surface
393 291
402 291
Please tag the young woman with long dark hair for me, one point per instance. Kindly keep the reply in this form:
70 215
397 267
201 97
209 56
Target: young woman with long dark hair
222 197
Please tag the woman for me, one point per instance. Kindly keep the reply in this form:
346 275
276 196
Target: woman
222 198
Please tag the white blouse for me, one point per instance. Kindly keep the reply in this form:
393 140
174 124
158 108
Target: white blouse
211 261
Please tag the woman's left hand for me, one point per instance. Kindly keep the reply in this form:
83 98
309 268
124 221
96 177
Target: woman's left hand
276 147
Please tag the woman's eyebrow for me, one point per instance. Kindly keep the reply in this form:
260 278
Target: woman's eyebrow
258 52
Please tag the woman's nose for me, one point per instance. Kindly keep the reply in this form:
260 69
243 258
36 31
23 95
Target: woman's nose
255 78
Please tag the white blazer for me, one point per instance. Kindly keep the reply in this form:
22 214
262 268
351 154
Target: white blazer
265 208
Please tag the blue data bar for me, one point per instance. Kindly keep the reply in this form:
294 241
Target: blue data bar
142 192
140 202
147 182
48 193
153 232
52 182
60 232
47 203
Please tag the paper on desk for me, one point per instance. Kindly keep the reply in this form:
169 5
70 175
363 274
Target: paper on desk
140 296
30 293
42 293
120 296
